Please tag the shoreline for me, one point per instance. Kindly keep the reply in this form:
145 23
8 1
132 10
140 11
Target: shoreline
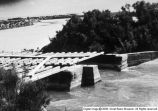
17 22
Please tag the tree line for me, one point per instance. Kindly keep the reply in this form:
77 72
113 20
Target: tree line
134 28
14 23
22 22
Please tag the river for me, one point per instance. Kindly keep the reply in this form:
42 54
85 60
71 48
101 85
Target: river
135 87
30 37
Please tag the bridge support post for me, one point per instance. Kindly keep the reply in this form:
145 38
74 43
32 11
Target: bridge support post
90 75
85 75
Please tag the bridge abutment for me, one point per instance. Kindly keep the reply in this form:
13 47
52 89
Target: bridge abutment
76 76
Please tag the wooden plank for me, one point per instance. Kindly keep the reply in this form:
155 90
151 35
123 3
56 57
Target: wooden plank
21 56
38 67
44 74
85 58
57 69
70 54
43 69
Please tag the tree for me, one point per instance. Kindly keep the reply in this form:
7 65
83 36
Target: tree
110 32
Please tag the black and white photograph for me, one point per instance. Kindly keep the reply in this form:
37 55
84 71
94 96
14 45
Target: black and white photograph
78 55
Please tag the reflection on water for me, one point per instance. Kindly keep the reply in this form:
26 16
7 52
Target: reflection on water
116 89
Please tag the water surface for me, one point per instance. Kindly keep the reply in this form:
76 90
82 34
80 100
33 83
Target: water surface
30 37
133 88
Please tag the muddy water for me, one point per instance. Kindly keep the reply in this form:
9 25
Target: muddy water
30 37
136 87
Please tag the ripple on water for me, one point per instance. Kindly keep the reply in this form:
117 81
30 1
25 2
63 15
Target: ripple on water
127 89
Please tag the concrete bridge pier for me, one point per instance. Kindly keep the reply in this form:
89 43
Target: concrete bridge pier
76 76
59 82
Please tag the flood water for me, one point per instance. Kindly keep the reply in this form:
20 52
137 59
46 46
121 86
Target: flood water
30 37
137 87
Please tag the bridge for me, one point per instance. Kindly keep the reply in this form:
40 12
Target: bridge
41 66
49 65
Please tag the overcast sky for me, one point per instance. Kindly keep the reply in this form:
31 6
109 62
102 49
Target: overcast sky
17 8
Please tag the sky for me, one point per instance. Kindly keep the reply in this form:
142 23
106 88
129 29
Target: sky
23 8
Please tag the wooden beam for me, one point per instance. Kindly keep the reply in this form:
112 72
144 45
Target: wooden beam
38 67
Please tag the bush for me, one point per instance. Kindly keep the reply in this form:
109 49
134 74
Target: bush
8 92
32 95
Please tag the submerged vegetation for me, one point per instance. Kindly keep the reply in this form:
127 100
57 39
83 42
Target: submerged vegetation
134 28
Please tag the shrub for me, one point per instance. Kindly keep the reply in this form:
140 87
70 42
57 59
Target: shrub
32 95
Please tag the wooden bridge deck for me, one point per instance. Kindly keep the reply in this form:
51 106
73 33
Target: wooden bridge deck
44 65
